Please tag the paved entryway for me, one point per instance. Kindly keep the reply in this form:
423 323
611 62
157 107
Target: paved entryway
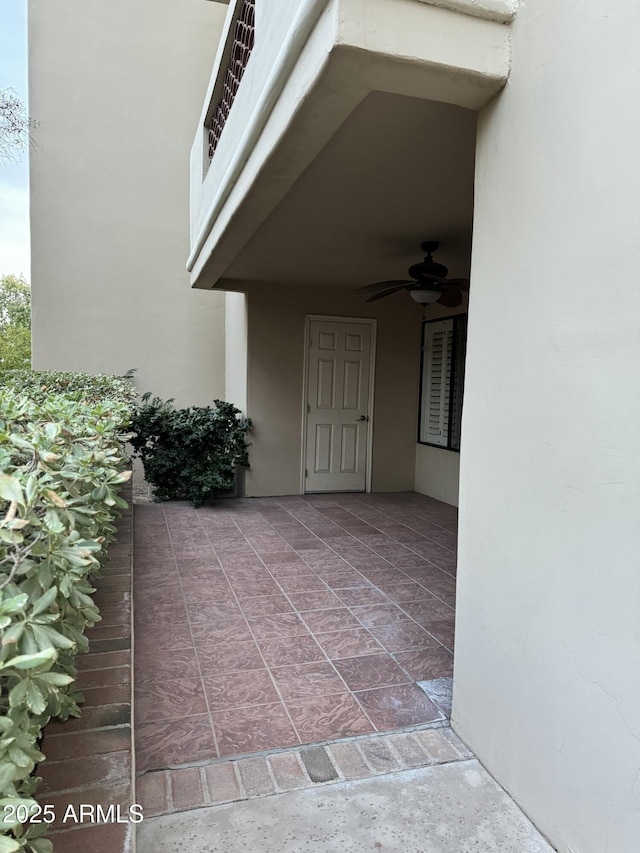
447 808
267 623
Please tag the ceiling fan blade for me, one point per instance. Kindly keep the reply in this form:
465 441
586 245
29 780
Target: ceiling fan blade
462 283
427 278
383 285
451 298
388 291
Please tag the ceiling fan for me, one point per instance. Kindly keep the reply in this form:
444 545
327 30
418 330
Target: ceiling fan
428 282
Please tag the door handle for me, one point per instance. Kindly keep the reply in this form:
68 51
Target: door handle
363 418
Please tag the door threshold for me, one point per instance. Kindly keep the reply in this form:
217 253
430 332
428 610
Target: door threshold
338 492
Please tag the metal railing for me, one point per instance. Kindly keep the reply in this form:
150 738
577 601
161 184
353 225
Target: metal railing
243 39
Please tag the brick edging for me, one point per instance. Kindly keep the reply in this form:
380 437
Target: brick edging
91 760
215 783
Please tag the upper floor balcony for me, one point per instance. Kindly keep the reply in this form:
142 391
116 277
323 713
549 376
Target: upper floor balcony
289 74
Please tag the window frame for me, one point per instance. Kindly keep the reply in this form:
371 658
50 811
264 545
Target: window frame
456 319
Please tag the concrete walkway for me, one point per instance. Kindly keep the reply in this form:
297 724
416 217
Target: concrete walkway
446 808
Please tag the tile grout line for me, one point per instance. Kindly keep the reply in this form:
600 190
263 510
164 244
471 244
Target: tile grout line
327 743
271 773
354 568
403 544
425 536
285 665
238 777
398 568
169 782
287 544
205 785
184 601
244 616
371 584
299 762
297 612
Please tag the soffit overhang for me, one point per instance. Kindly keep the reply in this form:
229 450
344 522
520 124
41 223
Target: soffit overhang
285 114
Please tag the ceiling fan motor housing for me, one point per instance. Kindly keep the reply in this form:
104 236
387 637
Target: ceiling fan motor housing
428 269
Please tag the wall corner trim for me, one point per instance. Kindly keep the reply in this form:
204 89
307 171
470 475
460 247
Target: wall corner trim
502 11
302 26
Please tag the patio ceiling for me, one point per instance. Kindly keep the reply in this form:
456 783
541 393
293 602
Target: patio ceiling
400 170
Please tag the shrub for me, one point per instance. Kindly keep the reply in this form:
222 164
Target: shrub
15 323
62 464
189 453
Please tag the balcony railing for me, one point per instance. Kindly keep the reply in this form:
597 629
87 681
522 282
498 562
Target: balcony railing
241 47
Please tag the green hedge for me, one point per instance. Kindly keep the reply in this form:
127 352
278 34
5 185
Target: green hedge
62 465
38 385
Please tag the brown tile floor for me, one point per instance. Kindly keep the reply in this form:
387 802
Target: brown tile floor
270 622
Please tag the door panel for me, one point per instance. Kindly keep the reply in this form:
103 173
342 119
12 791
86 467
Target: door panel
353 342
323 448
326 384
327 340
337 406
352 386
349 449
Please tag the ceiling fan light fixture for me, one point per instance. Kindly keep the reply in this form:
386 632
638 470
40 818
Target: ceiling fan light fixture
425 296
428 283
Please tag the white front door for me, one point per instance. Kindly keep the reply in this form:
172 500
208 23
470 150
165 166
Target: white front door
338 425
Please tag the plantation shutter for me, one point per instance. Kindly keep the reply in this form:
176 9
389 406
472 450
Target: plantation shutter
457 385
436 383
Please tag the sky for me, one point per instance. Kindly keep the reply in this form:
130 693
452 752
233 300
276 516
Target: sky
14 178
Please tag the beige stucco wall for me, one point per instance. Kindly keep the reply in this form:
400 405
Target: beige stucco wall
275 383
437 472
236 349
116 88
547 686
